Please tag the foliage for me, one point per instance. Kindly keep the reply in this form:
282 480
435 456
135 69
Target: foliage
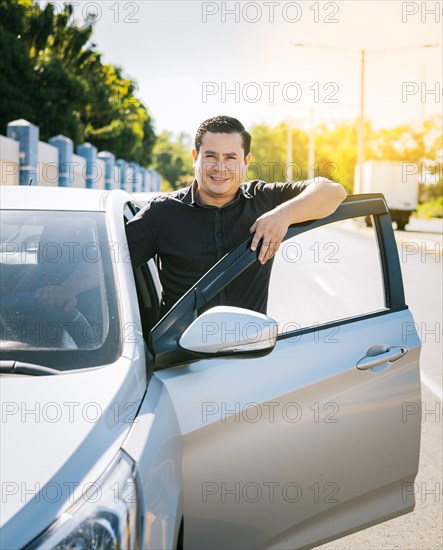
431 209
336 149
53 76
409 143
172 159
268 150
335 152
16 66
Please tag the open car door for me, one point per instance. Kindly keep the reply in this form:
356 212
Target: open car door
310 440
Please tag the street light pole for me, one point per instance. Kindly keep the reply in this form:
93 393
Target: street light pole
361 128
289 171
311 150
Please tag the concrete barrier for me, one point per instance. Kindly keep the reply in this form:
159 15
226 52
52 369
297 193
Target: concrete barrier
24 159
9 161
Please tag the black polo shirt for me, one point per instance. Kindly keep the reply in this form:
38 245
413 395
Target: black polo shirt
189 238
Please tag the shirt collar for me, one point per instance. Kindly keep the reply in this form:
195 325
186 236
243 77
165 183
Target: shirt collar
190 197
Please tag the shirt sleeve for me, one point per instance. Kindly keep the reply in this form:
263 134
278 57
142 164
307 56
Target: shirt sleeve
281 192
142 235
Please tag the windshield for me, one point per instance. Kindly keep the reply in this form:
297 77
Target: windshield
41 254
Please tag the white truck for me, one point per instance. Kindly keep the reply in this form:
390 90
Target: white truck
397 180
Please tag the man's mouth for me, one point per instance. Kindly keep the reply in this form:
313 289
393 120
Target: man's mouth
219 179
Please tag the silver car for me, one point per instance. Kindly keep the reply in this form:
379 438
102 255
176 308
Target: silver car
231 429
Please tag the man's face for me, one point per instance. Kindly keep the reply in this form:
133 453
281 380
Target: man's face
220 167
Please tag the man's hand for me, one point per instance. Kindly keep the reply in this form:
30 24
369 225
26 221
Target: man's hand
320 198
270 228
57 295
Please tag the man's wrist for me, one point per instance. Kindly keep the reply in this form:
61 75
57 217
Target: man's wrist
286 213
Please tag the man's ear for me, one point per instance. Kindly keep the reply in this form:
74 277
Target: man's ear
248 159
194 155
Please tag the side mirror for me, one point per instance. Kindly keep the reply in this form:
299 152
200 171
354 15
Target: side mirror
226 328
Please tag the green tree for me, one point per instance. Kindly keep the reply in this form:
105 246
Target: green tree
268 150
115 119
172 159
407 142
336 151
16 67
64 87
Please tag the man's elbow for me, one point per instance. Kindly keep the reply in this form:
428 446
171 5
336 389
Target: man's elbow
333 195
339 192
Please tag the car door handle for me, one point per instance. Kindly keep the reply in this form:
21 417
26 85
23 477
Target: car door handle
391 354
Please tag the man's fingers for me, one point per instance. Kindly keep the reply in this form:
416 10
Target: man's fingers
264 251
254 243
257 238
268 251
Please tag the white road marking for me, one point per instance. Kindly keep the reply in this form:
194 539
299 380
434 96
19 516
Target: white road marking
324 286
431 385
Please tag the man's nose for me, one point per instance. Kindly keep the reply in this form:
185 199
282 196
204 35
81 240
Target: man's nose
220 164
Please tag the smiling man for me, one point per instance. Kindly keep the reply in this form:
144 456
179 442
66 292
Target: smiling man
191 229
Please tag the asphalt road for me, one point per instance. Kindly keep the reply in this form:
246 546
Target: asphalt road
420 252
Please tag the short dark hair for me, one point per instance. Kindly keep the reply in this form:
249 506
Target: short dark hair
223 125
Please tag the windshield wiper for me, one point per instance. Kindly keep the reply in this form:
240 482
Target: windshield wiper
17 367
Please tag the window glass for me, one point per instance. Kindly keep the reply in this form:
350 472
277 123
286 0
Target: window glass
42 250
326 274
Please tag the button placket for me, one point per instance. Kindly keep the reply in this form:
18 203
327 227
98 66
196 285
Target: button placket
221 246
219 233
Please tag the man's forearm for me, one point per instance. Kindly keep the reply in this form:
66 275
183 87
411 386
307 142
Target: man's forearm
318 200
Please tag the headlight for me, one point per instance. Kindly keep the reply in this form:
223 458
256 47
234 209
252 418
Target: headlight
108 517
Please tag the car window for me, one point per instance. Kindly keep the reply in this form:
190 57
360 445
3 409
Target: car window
41 249
326 274
130 211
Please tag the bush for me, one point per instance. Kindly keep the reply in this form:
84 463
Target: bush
431 209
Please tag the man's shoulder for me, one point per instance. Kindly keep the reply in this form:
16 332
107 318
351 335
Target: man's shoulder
179 194
159 206
273 194
171 197
257 187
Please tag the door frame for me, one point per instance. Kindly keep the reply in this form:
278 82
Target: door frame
164 337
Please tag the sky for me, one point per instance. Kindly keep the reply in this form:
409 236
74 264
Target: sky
196 59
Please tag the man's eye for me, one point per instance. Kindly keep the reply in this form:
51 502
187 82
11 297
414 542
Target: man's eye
232 157
208 156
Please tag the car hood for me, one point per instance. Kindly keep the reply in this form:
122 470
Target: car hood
58 433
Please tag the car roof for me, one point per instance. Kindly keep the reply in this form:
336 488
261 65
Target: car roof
35 197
